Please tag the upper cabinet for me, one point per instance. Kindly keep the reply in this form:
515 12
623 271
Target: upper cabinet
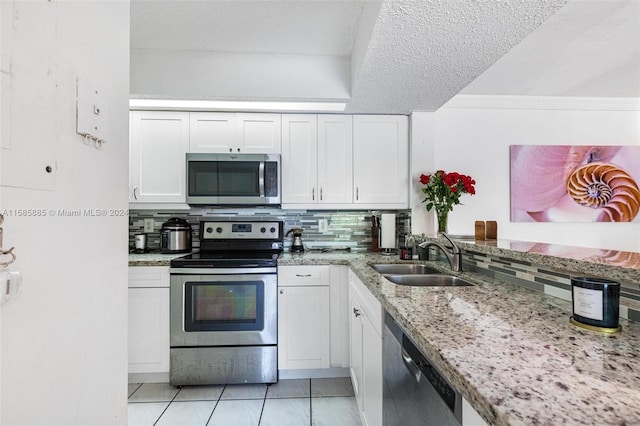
381 159
222 132
159 142
344 161
316 159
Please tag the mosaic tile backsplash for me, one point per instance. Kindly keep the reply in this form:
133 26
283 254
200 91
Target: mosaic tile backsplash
553 282
345 228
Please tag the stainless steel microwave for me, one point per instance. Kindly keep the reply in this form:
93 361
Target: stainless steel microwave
233 179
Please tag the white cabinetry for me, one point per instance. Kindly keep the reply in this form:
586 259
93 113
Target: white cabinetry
159 142
299 158
381 159
366 318
149 321
235 132
303 317
313 321
343 161
317 159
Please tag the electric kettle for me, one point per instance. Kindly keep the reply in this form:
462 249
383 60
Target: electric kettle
296 243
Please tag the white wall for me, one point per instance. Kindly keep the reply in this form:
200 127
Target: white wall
475 141
421 161
64 340
170 74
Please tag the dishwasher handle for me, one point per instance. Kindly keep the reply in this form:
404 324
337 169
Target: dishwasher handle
411 365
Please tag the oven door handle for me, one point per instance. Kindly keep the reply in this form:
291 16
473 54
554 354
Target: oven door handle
261 178
222 271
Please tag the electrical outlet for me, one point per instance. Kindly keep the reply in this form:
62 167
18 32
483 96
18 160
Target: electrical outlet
323 225
149 225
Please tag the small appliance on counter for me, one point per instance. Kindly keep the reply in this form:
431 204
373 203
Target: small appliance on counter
296 243
175 236
140 241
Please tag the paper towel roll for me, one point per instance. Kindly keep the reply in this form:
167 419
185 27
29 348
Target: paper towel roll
388 230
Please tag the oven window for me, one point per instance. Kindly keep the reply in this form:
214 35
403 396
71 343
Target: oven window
224 306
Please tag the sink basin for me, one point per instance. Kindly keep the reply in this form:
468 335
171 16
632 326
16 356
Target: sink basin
404 269
433 280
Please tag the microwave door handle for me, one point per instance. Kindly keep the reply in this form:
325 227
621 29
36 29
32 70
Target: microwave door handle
261 179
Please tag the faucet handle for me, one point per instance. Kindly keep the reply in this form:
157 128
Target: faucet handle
455 247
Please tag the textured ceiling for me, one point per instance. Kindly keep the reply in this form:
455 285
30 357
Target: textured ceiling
285 27
415 55
424 52
595 53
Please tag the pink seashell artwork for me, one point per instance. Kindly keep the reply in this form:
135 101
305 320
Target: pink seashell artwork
575 183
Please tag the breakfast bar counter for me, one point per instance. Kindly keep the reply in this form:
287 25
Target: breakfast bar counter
510 351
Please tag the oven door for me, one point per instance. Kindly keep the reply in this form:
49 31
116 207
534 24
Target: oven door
223 307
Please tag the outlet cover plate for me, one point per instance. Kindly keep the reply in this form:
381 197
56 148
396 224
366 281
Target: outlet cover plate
149 225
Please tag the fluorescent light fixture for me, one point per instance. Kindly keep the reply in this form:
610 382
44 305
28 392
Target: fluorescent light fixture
203 105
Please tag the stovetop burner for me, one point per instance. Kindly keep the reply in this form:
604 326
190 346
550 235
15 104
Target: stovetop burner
226 260
239 244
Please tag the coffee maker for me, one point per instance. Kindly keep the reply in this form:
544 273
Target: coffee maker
296 243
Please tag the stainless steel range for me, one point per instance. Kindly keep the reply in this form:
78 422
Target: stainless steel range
224 326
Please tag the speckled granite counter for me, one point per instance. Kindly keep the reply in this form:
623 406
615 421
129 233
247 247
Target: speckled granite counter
152 259
510 351
616 264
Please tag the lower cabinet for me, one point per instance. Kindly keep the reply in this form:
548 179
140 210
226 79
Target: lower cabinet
366 316
148 320
312 324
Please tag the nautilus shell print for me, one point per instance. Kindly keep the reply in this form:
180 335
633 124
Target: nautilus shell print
566 183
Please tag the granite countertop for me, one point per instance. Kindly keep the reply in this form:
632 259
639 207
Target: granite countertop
152 259
510 351
616 264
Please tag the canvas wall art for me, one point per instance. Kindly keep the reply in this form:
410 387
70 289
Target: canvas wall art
572 183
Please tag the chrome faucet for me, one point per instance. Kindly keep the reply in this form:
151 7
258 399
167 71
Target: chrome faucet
453 254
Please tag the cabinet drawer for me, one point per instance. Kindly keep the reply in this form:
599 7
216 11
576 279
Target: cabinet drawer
303 275
148 276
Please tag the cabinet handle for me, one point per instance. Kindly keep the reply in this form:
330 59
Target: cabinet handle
230 149
320 194
303 275
135 196
281 291
357 193
238 149
356 312
313 193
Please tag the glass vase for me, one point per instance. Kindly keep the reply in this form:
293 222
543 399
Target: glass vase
443 218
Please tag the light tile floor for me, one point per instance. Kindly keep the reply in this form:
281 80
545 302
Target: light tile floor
289 402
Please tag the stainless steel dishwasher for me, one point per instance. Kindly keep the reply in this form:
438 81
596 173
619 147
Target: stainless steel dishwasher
415 393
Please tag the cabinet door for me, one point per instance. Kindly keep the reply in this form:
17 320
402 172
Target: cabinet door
355 346
371 373
212 132
258 133
299 158
335 157
159 142
303 327
148 330
380 159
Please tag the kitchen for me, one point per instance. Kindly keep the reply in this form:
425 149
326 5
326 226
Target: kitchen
65 384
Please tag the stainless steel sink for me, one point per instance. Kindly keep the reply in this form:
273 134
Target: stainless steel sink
431 280
404 269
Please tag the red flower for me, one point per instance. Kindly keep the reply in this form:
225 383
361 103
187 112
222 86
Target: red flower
443 190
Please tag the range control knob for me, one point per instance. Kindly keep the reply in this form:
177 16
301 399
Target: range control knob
263 230
272 230
209 230
219 230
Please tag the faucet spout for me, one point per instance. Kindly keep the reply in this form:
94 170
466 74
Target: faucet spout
453 253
